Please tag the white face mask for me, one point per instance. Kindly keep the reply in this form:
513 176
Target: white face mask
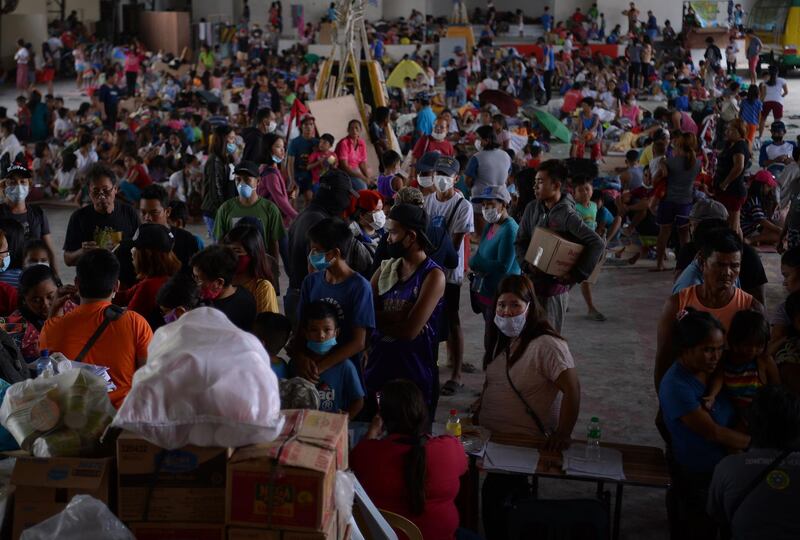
272 127
491 215
438 136
425 181
511 326
378 219
478 145
443 183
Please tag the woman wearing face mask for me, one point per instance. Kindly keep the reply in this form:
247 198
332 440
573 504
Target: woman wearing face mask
435 142
495 257
368 219
531 387
489 167
16 188
218 185
214 269
253 268
37 290
272 186
12 245
408 290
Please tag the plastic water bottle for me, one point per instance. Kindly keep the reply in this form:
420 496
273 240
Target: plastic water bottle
593 440
453 426
44 366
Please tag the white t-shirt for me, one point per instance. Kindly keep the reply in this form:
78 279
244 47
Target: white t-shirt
22 56
176 183
775 93
83 162
66 180
490 84
439 212
774 151
61 128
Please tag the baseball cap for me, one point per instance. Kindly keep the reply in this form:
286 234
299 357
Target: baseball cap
493 193
765 177
708 209
412 218
778 126
336 181
447 165
153 236
427 162
19 170
247 168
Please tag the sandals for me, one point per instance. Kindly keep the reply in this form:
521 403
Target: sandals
450 388
596 316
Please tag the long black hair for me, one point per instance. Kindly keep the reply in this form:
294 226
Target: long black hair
404 412
773 75
253 244
692 328
536 324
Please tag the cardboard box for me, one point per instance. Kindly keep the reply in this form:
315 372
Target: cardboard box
177 531
43 487
288 483
189 486
336 529
551 253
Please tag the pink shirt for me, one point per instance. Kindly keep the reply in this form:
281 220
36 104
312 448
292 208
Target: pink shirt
272 186
132 62
351 154
534 375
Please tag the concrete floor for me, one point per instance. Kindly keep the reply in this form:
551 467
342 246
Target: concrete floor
614 358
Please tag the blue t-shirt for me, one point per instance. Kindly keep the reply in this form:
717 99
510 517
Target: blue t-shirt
547 21
338 387
352 299
425 120
605 216
681 393
281 368
750 111
300 148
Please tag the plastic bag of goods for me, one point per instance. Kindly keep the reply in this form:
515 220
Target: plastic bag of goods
205 383
84 518
64 415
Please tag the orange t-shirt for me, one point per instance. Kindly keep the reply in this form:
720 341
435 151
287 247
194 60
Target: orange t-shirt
125 340
741 301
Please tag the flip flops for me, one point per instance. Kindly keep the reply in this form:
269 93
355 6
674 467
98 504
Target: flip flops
450 388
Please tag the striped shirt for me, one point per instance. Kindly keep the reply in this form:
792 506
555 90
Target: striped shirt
742 382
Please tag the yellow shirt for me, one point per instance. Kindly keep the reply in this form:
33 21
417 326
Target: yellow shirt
647 156
264 293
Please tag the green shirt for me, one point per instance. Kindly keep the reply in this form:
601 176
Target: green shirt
207 59
588 214
265 211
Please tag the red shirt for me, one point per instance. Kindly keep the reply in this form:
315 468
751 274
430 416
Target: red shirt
141 298
428 144
378 464
9 299
142 179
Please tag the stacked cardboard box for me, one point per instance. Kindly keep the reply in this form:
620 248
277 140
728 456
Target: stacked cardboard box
284 490
171 494
44 486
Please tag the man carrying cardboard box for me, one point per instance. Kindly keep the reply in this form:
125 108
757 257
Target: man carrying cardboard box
555 211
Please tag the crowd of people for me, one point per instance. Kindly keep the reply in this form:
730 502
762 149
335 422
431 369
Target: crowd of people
370 259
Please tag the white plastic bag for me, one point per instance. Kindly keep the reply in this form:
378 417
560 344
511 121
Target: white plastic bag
205 383
84 518
63 415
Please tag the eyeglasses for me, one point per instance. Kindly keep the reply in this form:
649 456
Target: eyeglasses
97 193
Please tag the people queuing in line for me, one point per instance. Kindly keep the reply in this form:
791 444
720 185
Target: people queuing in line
369 235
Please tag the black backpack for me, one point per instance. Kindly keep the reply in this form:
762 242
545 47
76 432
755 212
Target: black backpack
13 368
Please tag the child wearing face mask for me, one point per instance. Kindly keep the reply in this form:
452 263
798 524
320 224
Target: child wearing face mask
368 219
339 386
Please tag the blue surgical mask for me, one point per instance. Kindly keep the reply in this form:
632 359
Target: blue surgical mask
321 347
318 260
6 263
16 194
276 159
231 147
245 190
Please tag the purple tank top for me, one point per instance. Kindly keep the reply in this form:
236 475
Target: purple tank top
385 186
390 358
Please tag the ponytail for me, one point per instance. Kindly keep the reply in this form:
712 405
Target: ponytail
415 471
773 76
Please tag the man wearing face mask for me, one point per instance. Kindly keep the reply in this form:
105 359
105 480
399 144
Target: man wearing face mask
213 270
16 186
435 142
448 208
423 169
249 204
254 136
488 168
331 200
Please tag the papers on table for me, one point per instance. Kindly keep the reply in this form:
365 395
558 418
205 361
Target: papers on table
608 466
516 459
